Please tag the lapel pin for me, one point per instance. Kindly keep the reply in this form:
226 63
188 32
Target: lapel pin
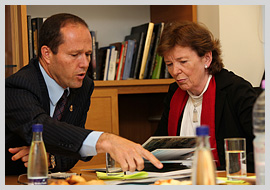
71 108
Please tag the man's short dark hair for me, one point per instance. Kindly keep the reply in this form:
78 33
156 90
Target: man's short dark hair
50 34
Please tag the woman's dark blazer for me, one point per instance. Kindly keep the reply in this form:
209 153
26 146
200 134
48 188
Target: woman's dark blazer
233 113
27 102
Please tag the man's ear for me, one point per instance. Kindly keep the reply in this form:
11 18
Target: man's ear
208 58
46 53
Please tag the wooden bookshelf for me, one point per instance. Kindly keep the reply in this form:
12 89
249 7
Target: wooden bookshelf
136 86
169 13
16 45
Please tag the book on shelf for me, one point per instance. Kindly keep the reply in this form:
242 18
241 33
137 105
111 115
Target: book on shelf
157 67
120 64
167 74
110 59
118 46
96 57
92 70
149 58
162 70
101 61
112 64
124 60
136 56
36 25
30 38
128 60
138 46
158 29
107 62
93 63
139 56
147 28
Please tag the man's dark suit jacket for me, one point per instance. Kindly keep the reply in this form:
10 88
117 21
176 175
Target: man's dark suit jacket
233 113
27 102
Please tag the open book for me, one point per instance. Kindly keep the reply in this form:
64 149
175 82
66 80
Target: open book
171 149
175 152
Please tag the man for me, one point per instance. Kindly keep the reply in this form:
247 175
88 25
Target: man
32 95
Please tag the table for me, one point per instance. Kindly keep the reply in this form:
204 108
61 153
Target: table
90 175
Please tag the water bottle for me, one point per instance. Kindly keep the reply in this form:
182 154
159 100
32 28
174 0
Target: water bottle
203 166
37 171
259 141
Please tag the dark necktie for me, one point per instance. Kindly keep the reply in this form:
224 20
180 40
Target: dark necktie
60 106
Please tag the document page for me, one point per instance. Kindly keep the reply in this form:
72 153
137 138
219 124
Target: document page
167 148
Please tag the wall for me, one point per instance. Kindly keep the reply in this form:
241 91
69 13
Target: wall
240 30
209 15
111 22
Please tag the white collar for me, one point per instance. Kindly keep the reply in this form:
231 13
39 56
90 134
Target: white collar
205 88
55 90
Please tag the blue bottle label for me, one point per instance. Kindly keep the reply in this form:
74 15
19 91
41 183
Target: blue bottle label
40 181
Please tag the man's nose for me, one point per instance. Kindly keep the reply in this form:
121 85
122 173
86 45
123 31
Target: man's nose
85 61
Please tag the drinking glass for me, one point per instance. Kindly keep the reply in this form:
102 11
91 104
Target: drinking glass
112 167
235 151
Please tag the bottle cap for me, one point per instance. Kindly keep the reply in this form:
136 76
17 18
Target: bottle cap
202 130
37 127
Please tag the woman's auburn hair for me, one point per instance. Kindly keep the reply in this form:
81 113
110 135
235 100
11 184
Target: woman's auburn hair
193 35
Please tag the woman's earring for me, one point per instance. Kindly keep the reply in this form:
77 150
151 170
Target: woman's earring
205 66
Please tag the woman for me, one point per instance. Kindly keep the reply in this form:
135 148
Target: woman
204 92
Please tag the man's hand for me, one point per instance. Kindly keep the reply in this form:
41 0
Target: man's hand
20 153
23 154
127 153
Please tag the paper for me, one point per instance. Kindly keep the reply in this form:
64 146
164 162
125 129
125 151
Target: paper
224 179
135 175
171 154
169 142
95 169
147 181
100 169
171 149
185 172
